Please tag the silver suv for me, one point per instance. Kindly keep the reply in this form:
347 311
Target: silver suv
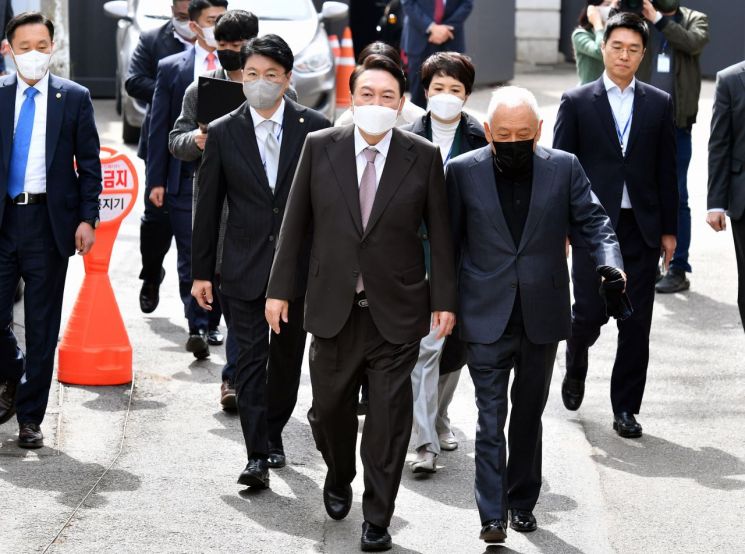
296 21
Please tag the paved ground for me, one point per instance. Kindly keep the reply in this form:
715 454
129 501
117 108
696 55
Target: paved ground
173 456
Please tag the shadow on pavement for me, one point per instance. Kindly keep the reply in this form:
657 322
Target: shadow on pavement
547 541
700 312
655 457
115 399
165 328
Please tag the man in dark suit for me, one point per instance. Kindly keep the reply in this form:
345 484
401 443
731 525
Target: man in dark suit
169 180
48 210
366 189
726 159
155 226
623 133
431 26
6 14
512 204
250 157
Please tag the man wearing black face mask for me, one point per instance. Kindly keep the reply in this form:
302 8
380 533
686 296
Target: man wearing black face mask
512 205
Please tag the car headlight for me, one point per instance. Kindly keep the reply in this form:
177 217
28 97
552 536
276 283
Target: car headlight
316 58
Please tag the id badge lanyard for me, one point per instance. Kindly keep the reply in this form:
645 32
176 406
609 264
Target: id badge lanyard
621 133
663 59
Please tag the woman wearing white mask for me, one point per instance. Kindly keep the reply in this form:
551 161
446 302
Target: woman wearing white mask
587 38
447 78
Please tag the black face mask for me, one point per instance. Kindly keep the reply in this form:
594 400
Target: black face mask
512 157
230 60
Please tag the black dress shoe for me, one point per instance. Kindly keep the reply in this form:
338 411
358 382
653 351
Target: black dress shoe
215 337
626 426
29 436
256 474
523 521
7 401
197 344
572 392
227 397
493 531
337 500
374 538
276 459
150 294
675 280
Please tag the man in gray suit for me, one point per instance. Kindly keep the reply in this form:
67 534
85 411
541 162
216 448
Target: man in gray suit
726 159
512 205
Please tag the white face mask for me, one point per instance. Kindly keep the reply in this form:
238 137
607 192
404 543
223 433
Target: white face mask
32 65
604 12
183 29
373 119
261 94
208 34
446 106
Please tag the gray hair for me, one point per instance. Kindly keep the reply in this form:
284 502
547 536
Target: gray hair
512 97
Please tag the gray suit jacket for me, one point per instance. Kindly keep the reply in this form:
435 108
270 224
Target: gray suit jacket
491 268
727 143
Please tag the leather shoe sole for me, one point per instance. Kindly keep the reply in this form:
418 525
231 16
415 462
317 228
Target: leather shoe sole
626 433
197 345
572 393
493 534
375 539
337 504
215 338
253 481
523 523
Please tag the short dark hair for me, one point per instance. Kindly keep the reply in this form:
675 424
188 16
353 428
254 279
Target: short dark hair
270 46
196 7
627 20
236 25
449 64
382 49
28 18
382 63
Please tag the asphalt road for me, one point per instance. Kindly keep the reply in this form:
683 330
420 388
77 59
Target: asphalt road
170 457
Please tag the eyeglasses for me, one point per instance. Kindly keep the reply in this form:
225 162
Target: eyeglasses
271 76
632 51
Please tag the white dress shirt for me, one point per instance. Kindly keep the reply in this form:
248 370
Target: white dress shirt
200 60
262 131
36 168
622 106
382 147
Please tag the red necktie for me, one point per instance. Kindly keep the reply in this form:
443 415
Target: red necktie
211 65
439 11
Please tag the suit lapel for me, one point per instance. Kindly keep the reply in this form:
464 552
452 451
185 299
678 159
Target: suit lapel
55 113
482 174
742 76
602 106
543 180
294 129
187 73
244 138
397 164
7 119
344 165
637 120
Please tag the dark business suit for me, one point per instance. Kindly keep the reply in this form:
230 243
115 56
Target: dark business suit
513 302
175 74
155 227
727 161
232 167
585 127
415 39
6 14
382 339
37 240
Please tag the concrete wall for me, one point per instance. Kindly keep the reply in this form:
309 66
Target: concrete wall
537 26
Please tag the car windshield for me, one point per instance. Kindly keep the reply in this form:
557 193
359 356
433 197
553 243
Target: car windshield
266 10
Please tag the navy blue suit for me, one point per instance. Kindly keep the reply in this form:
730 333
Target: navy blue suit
175 73
415 40
37 240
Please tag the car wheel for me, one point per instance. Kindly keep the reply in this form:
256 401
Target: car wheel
130 133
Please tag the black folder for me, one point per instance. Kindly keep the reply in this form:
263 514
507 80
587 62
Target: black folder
217 97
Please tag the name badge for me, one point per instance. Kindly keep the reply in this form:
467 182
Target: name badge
663 63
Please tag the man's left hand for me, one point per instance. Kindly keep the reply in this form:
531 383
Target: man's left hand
444 321
85 236
668 249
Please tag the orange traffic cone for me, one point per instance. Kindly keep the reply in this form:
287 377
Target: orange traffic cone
344 69
95 348
335 48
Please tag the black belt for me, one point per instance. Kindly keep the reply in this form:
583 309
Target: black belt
360 300
26 198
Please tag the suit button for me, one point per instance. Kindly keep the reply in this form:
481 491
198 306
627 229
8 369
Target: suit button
355 273
271 238
364 244
276 210
513 285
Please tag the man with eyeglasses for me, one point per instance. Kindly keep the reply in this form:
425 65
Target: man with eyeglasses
623 133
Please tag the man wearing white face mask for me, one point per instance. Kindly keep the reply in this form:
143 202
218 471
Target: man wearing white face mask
169 180
366 189
48 210
447 78
249 158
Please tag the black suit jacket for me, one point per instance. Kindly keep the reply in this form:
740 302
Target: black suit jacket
492 268
72 138
727 143
388 253
231 166
471 131
154 45
585 127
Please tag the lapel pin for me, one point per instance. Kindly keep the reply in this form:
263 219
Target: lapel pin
302 120
59 95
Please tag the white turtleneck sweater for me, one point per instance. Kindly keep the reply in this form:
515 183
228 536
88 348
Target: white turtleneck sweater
443 135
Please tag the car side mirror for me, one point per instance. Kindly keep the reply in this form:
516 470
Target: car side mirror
117 9
333 11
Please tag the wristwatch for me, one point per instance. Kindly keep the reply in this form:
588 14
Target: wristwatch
92 222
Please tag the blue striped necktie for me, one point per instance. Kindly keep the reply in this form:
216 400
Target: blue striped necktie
22 144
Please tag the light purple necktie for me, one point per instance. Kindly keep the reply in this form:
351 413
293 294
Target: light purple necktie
368 186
